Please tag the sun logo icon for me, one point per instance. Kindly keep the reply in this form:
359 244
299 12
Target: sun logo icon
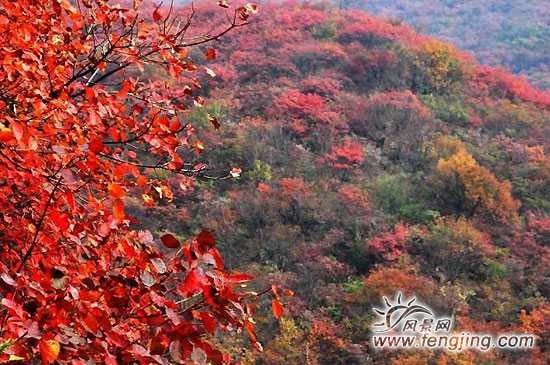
399 311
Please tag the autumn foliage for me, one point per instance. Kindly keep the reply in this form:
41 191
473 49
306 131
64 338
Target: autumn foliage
82 128
495 31
340 155
375 160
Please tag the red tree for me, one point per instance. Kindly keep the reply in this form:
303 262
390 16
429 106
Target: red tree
346 155
80 128
389 245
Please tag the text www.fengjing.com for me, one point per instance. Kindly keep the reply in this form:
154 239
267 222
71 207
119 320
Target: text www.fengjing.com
455 342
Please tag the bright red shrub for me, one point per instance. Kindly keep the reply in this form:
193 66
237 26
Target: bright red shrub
504 84
389 245
293 185
346 155
295 103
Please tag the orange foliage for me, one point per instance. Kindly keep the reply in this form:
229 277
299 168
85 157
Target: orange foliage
536 321
481 186
352 195
443 65
389 281
291 185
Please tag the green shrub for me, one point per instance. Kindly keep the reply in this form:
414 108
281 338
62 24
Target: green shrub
326 30
353 286
199 115
449 109
395 195
260 171
496 270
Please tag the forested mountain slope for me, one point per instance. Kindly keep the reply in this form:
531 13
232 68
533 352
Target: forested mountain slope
374 160
169 176
514 34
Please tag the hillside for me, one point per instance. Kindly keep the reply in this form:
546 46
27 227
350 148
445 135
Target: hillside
513 34
221 185
374 160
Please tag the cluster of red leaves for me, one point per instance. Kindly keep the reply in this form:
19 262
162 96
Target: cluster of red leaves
390 245
301 17
353 196
297 206
541 225
295 103
77 283
346 155
324 86
304 111
293 185
500 82
363 27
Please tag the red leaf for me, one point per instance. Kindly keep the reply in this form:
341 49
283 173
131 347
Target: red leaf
192 283
156 15
118 209
174 126
141 181
95 119
275 290
91 322
288 292
49 350
250 329
205 239
210 54
90 94
116 190
18 130
218 260
277 308
170 241
208 320
5 134
10 304
69 198
116 339
238 278
183 330
60 220
159 344
96 145
215 356
125 88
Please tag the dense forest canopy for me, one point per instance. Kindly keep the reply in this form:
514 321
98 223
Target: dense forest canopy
335 156
374 159
510 33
